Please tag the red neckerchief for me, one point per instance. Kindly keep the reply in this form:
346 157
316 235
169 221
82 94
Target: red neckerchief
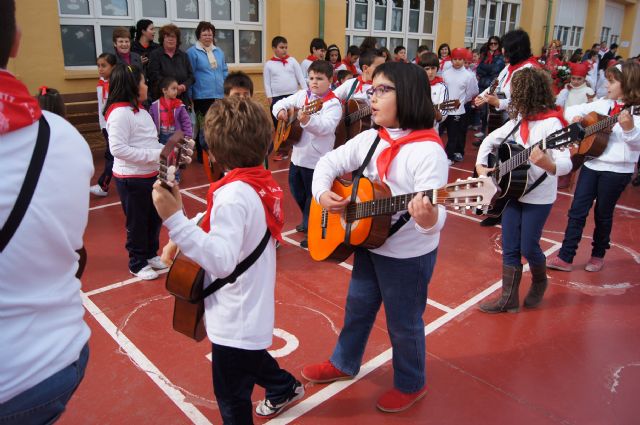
167 109
387 155
350 66
549 113
617 108
435 81
282 59
512 68
312 58
105 88
126 57
328 96
361 83
443 61
145 47
337 64
265 186
18 108
489 58
117 105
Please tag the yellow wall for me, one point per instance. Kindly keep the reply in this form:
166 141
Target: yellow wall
533 19
628 24
452 19
593 25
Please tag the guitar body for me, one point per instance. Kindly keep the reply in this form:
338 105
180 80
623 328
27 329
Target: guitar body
513 184
185 282
336 239
358 126
281 134
591 146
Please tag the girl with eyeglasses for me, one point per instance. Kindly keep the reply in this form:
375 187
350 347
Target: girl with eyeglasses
408 157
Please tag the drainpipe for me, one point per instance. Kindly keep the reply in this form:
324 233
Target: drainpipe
546 33
321 20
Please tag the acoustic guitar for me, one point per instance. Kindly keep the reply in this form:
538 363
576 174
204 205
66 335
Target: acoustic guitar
366 222
357 118
289 130
494 118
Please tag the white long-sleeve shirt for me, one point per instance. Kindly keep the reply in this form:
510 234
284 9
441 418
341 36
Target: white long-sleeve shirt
418 166
545 192
345 88
102 99
318 135
239 314
575 96
504 86
439 94
41 315
133 140
304 66
462 85
621 153
283 79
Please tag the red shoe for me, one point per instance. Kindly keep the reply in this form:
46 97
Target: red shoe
322 373
558 263
395 401
594 264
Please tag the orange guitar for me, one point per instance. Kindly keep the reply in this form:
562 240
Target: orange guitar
366 223
290 130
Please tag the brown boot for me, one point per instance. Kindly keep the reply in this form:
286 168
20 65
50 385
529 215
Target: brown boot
508 300
539 284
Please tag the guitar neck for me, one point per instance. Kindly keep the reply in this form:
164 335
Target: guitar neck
385 206
359 114
601 125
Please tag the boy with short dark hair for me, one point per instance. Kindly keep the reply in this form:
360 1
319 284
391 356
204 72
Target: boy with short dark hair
400 54
350 60
439 92
356 88
342 76
423 48
241 208
318 51
239 84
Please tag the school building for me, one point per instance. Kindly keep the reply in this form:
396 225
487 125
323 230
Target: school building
62 38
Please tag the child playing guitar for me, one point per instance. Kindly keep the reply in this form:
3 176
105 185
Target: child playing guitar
408 156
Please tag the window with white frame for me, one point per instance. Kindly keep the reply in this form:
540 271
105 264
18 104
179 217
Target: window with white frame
86 25
409 23
486 18
570 37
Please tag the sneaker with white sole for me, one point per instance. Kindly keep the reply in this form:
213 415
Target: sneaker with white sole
479 134
450 162
157 263
146 273
268 409
97 190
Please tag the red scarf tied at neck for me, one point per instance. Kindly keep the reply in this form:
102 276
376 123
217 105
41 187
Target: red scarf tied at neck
512 68
167 111
350 66
617 108
361 83
265 186
388 154
18 108
435 81
117 105
282 59
312 58
105 88
550 113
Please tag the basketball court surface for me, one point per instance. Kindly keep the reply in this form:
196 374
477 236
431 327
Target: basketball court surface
573 360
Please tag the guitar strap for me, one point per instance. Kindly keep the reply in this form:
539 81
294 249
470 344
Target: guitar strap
353 89
242 267
28 185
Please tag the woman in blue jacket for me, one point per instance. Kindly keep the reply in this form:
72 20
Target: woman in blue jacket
491 63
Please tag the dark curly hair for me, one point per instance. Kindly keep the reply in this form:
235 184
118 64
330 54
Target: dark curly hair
531 92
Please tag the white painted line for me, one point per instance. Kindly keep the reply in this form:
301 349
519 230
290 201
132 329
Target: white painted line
439 306
120 284
104 206
192 196
336 387
144 364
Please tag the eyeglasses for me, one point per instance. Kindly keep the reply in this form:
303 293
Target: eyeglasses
379 90
493 43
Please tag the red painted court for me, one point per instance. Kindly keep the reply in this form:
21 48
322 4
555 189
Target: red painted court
575 360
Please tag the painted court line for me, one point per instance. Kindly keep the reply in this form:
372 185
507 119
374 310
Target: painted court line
120 284
144 364
336 387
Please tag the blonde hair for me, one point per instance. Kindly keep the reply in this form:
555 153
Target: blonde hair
238 132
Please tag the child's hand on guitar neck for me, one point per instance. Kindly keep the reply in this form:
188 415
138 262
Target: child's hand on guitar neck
333 202
625 120
282 115
423 211
166 201
303 117
542 160
483 171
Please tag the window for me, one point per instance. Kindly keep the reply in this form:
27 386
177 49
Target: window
392 22
86 25
486 18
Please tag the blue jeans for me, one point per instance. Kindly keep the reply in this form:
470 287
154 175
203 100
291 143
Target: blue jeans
300 179
401 284
236 371
605 187
45 402
522 226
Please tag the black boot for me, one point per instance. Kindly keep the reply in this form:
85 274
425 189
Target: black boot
491 221
538 286
508 300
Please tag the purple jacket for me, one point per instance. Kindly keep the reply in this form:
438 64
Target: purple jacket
181 118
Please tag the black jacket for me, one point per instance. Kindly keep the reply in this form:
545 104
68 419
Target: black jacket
161 65
487 72
135 60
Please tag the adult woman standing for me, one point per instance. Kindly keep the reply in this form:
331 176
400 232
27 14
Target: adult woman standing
491 63
210 70
122 46
170 61
143 34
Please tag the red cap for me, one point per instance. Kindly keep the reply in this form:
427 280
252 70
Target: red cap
612 62
459 53
579 69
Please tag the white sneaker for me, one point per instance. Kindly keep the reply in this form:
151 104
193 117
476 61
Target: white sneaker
146 273
97 190
479 134
157 263
450 162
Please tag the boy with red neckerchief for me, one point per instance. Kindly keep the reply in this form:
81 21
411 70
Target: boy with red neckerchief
318 51
241 207
439 92
318 133
350 60
356 88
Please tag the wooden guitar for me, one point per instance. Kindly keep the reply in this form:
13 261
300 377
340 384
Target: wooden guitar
357 118
366 222
494 117
289 130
